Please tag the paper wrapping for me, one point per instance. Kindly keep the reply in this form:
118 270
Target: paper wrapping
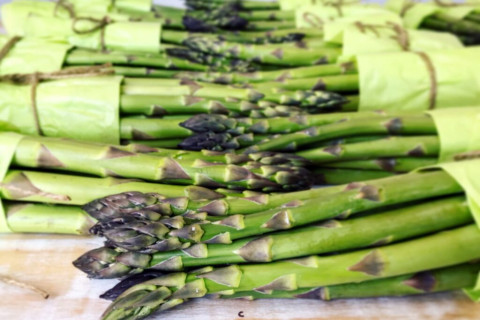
381 38
315 16
8 145
403 81
458 130
33 55
78 108
415 14
38 20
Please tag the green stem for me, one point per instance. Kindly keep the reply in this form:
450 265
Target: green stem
416 146
439 280
108 160
335 83
406 164
39 218
377 125
329 176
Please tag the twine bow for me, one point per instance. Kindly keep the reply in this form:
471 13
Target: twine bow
98 24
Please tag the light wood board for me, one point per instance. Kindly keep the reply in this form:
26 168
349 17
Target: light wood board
45 261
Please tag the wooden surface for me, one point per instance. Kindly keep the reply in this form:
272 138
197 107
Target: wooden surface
45 261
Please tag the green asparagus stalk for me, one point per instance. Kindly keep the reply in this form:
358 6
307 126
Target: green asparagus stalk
335 83
407 125
385 164
444 22
108 160
155 105
89 57
271 36
440 250
332 236
164 143
174 58
220 141
265 54
268 76
416 146
439 280
262 158
216 62
45 187
424 181
119 227
237 4
142 128
40 218
339 122
169 87
329 176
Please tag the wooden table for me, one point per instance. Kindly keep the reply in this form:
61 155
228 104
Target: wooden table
45 261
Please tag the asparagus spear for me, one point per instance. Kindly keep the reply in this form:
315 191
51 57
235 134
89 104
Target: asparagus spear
329 176
425 181
169 87
408 125
238 4
163 143
47 187
439 280
220 141
121 227
108 160
416 146
377 125
385 164
265 54
331 236
89 57
335 83
214 61
431 252
40 218
186 104
272 75
338 121
262 158
444 22
174 58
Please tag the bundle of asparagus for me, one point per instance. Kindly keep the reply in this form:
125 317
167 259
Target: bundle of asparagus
142 234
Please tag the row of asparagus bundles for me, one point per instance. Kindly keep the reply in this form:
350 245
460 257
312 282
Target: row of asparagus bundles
190 139
428 216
